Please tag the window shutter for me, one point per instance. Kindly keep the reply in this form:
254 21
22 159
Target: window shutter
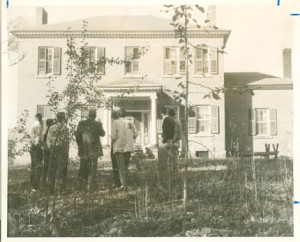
252 122
192 125
135 66
215 120
57 61
214 60
101 60
273 122
42 60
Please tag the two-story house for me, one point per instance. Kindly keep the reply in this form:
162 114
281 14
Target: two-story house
161 69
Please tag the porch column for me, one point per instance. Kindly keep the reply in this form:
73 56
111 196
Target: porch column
153 136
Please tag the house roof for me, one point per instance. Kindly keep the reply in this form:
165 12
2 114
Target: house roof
110 23
256 80
108 26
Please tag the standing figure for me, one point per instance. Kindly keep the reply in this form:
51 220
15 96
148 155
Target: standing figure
123 135
58 143
89 147
36 151
164 150
49 123
175 141
117 182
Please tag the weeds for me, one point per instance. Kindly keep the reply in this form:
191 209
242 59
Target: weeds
221 202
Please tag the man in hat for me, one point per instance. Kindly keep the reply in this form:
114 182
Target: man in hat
58 143
89 147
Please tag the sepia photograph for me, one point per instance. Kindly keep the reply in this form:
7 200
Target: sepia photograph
162 120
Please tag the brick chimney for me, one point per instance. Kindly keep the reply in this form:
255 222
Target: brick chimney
41 16
287 63
211 15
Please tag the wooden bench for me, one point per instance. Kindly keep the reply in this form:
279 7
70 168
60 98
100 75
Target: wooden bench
266 154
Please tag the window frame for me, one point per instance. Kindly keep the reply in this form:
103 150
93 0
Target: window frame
96 62
175 60
271 122
132 61
212 56
55 62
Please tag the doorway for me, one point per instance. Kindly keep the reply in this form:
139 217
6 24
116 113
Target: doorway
141 122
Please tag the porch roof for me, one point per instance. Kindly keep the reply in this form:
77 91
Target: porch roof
130 85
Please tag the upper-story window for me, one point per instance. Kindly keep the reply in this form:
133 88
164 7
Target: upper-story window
96 57
206 60
173 61
132 55
49 60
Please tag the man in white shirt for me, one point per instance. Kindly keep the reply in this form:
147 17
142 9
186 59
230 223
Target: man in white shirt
36 151
123 135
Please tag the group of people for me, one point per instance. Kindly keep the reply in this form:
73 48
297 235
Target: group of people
50 150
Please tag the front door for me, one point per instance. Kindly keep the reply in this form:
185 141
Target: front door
141 122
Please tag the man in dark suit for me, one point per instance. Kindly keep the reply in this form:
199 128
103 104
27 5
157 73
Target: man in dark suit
89 147
168 128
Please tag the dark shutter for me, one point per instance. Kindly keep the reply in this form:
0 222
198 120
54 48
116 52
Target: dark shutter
42 54
214 60
252 122
101 60
215 120
273 122
192 125
57 61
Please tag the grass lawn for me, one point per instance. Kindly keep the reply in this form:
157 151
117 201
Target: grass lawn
224 198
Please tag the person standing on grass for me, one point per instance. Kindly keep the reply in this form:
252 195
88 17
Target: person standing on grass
174 149
88 135
123 135
49 123
168 127
117 182
58 143
36 151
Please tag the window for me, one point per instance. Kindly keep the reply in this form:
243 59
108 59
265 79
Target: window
96 57
182 55
132 55
49 60
206 60
263 121
46 112
204 120
170 59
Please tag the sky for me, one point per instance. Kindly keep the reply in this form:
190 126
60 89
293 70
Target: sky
259 33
